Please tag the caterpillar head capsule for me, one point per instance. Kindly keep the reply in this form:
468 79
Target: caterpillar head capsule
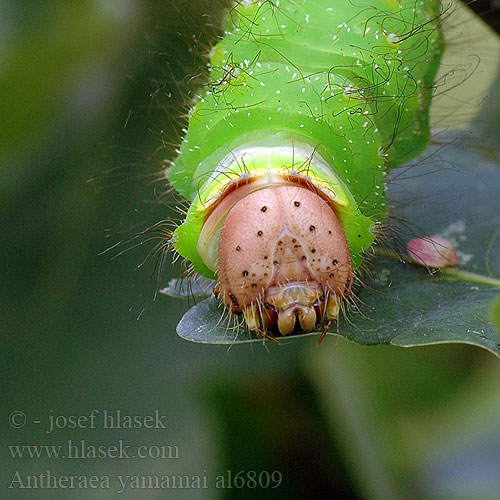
283 260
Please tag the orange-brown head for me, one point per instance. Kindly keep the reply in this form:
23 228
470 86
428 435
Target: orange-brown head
283 255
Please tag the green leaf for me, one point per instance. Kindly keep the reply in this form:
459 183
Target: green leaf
186 289
455 194
495 313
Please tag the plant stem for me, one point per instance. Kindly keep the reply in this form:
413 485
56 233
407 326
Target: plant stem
451 272
473 277
354 425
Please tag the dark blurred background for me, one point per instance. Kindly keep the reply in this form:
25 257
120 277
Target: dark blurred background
92 97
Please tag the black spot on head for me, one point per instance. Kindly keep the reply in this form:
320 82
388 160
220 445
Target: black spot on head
265 275
304 257
238 248
296 203
280 243
263 209
335 262
294 240
254 285
329 232
245 273
265 256
259 233
275 262
313 250
331 275
312 228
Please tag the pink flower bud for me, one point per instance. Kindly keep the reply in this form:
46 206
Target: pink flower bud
433 251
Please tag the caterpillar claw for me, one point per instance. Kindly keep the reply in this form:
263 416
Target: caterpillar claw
325 330
266 335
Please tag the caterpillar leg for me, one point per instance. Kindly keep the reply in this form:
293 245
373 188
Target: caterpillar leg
252 319
332 313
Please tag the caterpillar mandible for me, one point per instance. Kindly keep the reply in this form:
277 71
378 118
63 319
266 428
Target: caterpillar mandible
309 103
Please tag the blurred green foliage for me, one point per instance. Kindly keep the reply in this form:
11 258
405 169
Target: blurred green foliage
93 91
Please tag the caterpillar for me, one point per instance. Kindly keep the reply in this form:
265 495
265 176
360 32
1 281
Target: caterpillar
308 106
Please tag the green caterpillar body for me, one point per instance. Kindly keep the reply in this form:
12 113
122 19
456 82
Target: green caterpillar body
351 79
325 94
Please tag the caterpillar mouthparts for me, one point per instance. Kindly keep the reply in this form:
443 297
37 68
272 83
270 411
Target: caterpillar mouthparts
283 257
